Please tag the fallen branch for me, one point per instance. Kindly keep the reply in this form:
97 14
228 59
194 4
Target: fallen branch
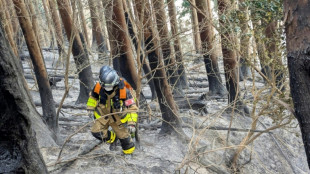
218 128
71 158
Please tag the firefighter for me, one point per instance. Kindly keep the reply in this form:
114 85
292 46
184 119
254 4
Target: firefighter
113 94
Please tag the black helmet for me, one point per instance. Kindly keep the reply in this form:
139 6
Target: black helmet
104 68
108 78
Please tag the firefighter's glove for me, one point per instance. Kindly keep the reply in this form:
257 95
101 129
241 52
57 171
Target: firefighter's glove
131 128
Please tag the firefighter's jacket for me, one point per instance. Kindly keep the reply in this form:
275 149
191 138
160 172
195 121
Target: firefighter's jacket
102 102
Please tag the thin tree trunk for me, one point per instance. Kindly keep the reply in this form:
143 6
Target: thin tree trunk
169 59
261 49
102 23
277 68
177 44
195 28
123 52
297 43
145 65
76 24
57 26
84 28
7 26
13 17
43 36
17 33
230 60
108 11
80 56
49 23
208 48
171 121
19 147
49 112
97 29
34 20
245 39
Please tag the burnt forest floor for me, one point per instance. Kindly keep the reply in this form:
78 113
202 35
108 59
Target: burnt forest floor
204 121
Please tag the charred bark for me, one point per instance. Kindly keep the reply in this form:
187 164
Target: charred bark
298 58
124 59
244 40
172 122
210 57
164 93
169 59
80 56
49 112
19 152
145 66
230 61
177 44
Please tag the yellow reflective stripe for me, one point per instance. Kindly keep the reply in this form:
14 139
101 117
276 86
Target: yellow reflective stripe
130 117
112 139
133 117
129 151
97 115
92 102
124 120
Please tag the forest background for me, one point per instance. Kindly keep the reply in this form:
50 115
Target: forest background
222 85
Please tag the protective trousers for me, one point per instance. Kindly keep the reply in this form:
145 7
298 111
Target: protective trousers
101 132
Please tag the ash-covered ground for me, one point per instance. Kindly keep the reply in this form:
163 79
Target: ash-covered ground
211 146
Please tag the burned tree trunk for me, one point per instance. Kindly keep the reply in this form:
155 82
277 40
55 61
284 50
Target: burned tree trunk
49 112
122 51
80 56
210 57
172 122
19 152
169 59
145 65
177 44
97 29
298 58
230 60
